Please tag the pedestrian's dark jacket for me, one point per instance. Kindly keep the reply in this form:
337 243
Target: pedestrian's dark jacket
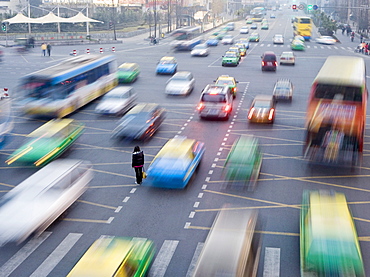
137 159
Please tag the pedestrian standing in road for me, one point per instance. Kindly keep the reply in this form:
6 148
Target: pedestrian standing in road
361 38
43 48
138 164
48 47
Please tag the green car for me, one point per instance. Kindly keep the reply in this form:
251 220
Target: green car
128 72
265 27
243 164
254 37
249 21
230 58
47 142
297 45
329 243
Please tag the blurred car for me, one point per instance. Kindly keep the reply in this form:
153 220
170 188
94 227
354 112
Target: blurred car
249 21
265 26
128 72
244 30
182 83
175 163
245 41
230 26
287 58
200 50
228 39
326 40
268 61
47 142
116 256
278 39
228 81
329 244
299 38
236 50
141 122
167 65
283 90
262 109
215 102
254 37
34 204
272 15
212 41
253 27
221 34
117 101
230 58
242 49
243 163
297 45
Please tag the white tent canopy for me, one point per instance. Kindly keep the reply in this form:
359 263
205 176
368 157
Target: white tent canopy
50 18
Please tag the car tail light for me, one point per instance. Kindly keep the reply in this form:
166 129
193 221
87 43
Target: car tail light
234 90
227 108
251 112
263 63
275 63
271 114
200 106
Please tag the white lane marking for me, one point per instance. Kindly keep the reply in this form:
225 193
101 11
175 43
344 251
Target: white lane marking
163 258
194 260
200 195
109 221
126 199
196 204
272 262
118 209
133 190
192 214
210 172
187 225
57 255
22 254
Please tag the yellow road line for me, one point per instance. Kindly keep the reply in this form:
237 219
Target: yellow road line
7 185
113 173
278 233
85 220
248 208
96 204
112 186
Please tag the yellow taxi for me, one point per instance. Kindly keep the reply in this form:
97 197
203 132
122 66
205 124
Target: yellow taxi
228 81
242 48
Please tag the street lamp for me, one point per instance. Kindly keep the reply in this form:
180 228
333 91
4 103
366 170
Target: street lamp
114 21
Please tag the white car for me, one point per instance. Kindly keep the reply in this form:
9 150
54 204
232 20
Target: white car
228 39
326 40
117 101
244 30
287 58
200 50
182 83
278 39
38 201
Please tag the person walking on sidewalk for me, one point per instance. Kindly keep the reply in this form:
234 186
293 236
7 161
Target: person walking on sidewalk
138 164
48 48
43 48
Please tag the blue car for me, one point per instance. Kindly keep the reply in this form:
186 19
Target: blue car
167 65
212 41
175 163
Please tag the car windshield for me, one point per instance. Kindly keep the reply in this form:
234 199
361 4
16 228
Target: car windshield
180 79
116 96
230 55
200 47
218 98
269 58
125 69
262 104
225 82
279 36
167 62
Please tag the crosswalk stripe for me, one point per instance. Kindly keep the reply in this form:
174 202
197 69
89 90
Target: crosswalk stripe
163 258
272 262
195 259
57 255
22 254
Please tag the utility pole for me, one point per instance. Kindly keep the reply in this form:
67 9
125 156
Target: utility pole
114 21
155 18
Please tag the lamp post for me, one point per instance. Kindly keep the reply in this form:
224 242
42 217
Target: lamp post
114 21
155 18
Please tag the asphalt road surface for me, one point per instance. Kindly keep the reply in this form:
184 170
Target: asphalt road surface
178 221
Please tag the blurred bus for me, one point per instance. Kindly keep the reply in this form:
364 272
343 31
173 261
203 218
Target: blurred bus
184 39
258 10
302 26
6 121
63 88
336 113
232 247
328 238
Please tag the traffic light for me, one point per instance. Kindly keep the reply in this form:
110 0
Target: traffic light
309 7
294 7
110 25
3 26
